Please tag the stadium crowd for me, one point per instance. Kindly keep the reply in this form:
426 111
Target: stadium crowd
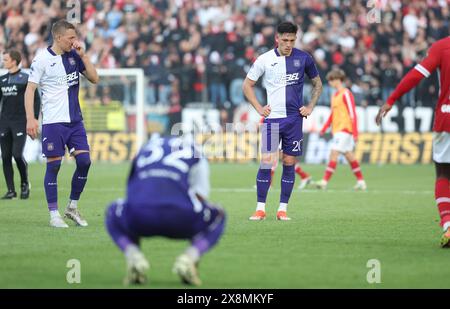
200 50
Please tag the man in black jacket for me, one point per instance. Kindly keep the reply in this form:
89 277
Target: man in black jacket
13 131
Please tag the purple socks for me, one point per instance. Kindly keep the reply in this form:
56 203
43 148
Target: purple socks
80 175
287 183
50 184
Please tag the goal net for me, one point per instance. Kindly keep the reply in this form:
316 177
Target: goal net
113 113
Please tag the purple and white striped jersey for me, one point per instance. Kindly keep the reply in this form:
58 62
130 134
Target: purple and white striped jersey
59 79
283 79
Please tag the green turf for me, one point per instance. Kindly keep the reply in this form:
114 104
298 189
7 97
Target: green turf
328 243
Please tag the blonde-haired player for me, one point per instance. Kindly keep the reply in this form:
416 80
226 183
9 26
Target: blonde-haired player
344 128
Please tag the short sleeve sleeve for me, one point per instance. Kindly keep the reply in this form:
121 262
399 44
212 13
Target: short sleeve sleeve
37 69
80 63
310 67
257 70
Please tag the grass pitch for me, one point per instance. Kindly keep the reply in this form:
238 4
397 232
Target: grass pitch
332 236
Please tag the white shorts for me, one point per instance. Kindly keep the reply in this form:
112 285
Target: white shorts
342 142
441 147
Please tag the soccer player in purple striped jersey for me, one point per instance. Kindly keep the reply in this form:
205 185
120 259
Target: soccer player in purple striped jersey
283 69
167 194
57 72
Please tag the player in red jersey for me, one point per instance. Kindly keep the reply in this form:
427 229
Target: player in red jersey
343 122
438 58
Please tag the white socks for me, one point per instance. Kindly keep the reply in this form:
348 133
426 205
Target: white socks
283 207
54 214
261 206
446 226
131 249
193 253
73 204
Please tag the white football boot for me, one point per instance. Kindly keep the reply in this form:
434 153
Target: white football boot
57 221
321 184
74 215
137 267
304 183
186 269
360 186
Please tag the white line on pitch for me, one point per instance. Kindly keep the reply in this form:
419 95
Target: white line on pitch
244 190
251 190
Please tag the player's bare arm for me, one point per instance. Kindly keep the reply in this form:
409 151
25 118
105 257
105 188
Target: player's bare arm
249 92
408 82
90 72
32 123
384 109
305 111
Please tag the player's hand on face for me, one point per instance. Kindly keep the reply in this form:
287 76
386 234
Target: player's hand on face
305 111
382 112
78 48
32 128
266 111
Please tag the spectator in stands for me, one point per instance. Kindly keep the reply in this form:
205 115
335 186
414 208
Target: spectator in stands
216 74
186 35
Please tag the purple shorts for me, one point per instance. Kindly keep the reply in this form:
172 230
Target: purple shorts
172 221
55 136
288 130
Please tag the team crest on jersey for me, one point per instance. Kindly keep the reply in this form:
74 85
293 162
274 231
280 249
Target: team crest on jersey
72 61
296 63
50 147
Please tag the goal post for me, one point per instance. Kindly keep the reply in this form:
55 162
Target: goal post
137 106
114 115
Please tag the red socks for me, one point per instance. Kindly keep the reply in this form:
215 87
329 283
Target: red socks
330 170
356 170
300 172
442 195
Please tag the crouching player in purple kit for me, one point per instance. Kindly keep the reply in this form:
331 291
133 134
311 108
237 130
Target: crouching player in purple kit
167 193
